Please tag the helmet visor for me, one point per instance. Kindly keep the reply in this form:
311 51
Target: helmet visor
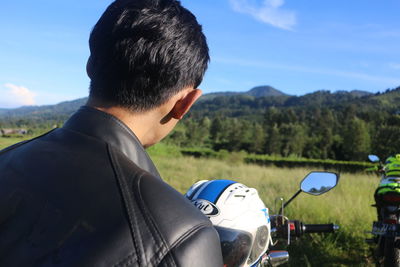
235 245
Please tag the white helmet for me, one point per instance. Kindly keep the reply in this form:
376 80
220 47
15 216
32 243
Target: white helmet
240 217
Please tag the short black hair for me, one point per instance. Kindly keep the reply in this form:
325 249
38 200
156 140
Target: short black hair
143 52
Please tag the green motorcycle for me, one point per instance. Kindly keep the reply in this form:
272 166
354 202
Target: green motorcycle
386 230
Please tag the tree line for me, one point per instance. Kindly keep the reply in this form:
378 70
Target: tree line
341 130
320 125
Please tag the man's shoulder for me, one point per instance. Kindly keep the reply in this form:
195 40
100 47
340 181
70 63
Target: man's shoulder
54 140
153 194
161 218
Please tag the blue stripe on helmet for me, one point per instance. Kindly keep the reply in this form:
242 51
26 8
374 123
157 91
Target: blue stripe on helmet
214 189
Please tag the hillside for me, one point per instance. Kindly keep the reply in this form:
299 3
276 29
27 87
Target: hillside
253 107
323 124
264 91
42 114
250 104
258 91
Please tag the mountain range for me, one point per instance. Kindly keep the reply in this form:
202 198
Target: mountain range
259 91
229 103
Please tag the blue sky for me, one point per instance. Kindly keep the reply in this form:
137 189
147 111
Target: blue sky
296 46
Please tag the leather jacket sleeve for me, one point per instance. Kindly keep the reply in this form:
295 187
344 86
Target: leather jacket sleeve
180 230
201 249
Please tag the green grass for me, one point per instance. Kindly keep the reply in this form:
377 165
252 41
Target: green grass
8 141
289 162
348 205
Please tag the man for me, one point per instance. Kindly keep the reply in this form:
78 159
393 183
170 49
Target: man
87 194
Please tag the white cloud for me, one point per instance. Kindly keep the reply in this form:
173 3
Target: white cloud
269 11
15 95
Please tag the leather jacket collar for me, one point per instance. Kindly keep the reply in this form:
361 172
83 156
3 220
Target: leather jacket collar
104 126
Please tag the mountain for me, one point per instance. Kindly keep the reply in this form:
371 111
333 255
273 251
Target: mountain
356 93
259 91
58 112
252 108
249 104
360 93
264 91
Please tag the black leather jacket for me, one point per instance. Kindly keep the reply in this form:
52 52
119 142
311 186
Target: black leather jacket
87 194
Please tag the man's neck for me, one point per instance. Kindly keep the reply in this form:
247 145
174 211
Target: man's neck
139 123
149 126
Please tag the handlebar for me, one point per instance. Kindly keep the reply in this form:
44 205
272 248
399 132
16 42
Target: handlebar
320 228
298 228
284 228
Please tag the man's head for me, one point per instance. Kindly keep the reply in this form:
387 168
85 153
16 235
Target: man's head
143 52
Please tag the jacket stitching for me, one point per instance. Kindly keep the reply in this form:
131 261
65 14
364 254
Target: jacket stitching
169 260
162 247
160 250
188 233
184 238
135 212
129 210
125 261
147 221
163 251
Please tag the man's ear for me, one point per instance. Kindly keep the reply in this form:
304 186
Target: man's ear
183 105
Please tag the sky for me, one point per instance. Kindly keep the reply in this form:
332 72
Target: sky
296 46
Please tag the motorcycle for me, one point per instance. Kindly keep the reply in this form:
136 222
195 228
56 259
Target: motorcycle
315 183
386 230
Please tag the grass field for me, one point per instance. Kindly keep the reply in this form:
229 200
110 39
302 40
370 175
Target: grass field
5 142
348 205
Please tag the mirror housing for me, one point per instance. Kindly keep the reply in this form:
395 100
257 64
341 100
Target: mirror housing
373 158
317 183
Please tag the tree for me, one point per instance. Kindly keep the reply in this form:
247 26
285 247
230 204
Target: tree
216 130
357 140
273 141
271 117
386 142
293 139
258 139
194 133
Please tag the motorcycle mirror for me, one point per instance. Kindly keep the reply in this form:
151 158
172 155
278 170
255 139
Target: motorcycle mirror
317 183
373 158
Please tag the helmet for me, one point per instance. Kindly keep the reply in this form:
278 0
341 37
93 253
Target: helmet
392 166
239 216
